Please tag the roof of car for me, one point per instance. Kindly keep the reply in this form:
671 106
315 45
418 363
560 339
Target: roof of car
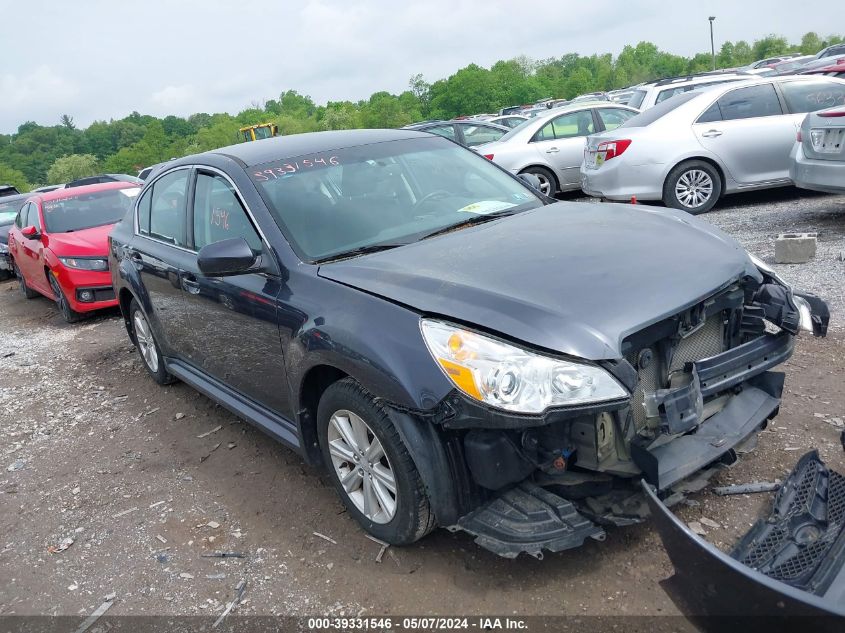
60 194
16 196
265 150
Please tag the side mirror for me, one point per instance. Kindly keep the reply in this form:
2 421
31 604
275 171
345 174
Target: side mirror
227 257
30 233
531 180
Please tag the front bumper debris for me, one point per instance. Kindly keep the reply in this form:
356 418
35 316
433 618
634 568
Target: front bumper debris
789 567
528 519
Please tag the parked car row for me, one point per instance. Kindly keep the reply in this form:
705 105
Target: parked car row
708 136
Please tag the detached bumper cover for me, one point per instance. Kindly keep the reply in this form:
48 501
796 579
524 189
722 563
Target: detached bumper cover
789 565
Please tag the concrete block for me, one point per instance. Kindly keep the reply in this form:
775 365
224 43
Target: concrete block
795 248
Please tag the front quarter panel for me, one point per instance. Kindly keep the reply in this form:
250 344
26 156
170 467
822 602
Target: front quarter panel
375 341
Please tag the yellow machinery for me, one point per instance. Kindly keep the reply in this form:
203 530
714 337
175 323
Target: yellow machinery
258 132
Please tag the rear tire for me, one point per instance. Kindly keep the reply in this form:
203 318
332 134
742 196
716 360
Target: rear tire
370 466
693 186
26 291
68 314
548 182
147 345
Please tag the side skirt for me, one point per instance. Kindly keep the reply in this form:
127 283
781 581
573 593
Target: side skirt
274 425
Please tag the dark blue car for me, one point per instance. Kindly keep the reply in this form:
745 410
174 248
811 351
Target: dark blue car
455 348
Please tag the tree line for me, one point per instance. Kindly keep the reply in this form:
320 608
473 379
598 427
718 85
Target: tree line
37 154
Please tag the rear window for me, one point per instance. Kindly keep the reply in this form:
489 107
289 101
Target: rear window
7 217
646 118
809 96
88 210
636 98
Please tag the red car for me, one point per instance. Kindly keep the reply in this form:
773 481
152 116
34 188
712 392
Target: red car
59 245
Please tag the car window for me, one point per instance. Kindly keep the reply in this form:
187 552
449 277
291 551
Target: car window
393 192
614 117
649 116
636 99
713 113
751 102
809 96
570 125
479 134
144 212
34 218
167 207
446 131
79 211
219 215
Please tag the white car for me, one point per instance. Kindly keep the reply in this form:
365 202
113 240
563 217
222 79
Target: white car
551 145
650 94
695 147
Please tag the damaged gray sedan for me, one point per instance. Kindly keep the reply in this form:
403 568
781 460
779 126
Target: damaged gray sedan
455 348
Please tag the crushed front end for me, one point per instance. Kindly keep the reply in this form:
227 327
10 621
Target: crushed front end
700 388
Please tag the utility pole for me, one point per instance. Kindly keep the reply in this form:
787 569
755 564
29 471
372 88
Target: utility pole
712 45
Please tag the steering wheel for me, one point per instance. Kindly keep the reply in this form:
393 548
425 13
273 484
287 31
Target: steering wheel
437 193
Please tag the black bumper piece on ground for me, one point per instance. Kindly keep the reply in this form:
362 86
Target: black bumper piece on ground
786 573
529 519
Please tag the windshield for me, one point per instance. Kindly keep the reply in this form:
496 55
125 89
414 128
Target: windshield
88 210
390 194
647 117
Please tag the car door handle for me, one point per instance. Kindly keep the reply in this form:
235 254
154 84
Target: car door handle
712 134
190 284
552 150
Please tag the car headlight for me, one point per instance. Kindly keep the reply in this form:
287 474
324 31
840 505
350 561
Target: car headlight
512 378
85 263
765 268
4 248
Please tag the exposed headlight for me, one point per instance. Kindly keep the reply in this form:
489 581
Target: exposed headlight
764 267
85 263
4 248
509 377
805 313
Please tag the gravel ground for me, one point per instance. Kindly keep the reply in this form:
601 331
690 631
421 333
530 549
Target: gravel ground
139 482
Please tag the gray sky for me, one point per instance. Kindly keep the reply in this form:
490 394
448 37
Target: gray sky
101 59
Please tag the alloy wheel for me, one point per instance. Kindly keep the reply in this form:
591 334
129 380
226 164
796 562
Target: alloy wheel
146 342
545 184
694 188
361 466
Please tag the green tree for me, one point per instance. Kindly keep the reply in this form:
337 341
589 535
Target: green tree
10 176
71 167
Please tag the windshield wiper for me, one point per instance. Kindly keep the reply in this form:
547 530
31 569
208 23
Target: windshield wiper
361 250
471 221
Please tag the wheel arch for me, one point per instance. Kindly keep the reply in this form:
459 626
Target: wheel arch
704 159
421 439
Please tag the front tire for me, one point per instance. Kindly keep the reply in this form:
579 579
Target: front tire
370 466
548 182
68 314
693 186
26 291
147 345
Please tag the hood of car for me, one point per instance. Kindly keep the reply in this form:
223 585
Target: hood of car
85 242
575 278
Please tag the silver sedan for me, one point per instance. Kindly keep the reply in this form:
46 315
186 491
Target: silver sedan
693 148
551 145
818 158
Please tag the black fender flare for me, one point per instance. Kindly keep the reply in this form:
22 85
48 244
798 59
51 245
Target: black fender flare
427 450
